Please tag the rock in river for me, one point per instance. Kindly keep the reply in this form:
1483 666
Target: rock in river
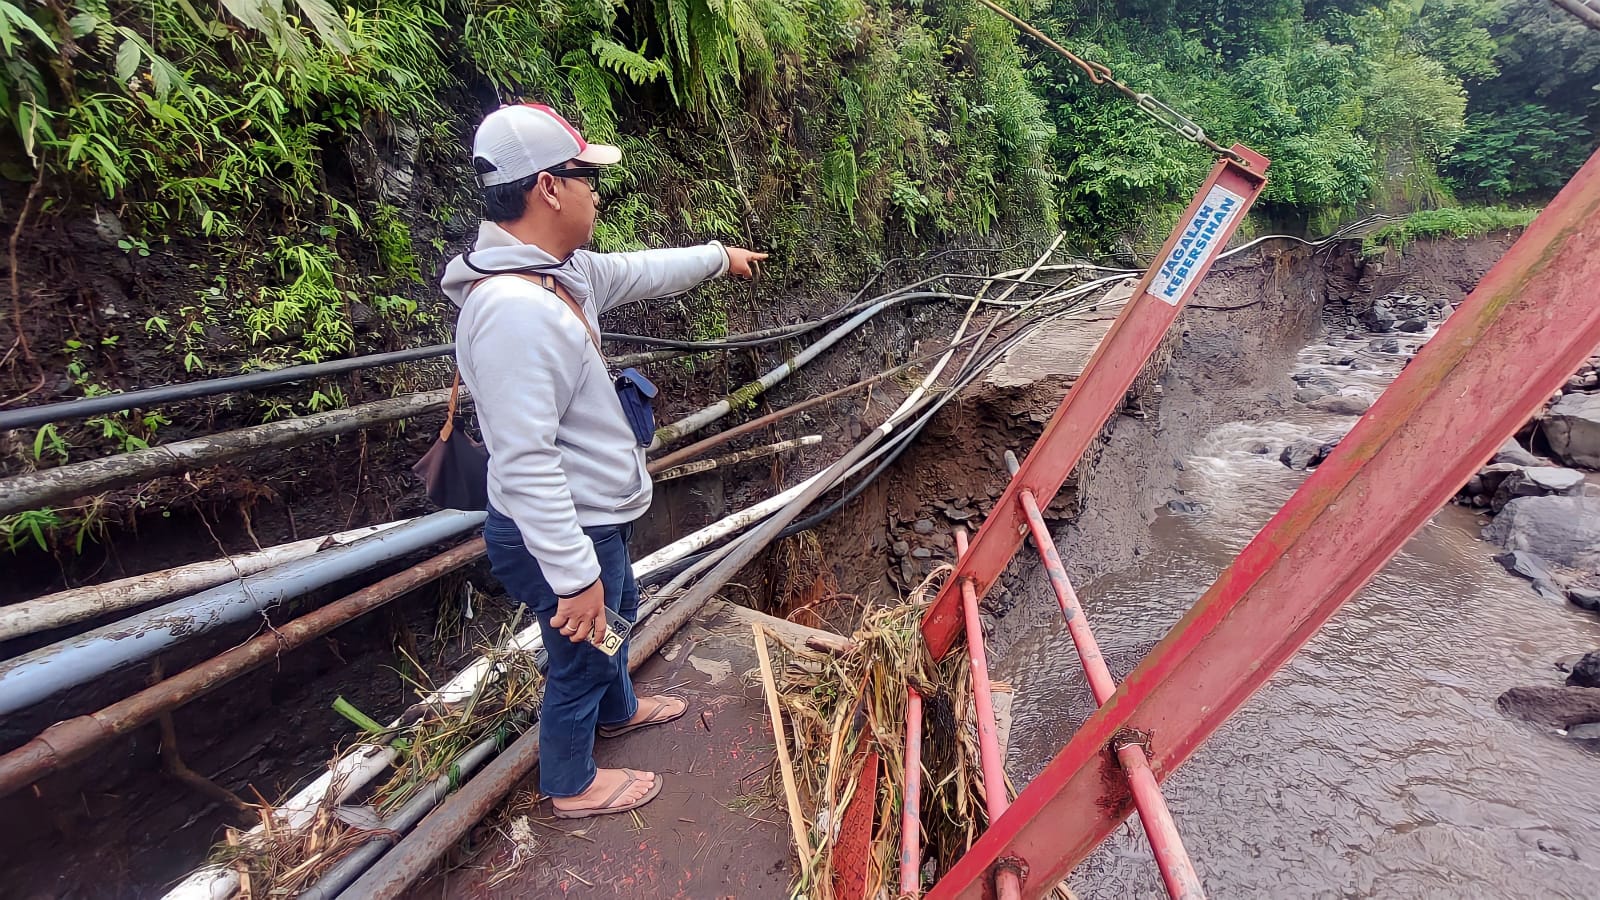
1342 405
1304 454
1512 452
1586 673
1563 530
1562 707
1573 429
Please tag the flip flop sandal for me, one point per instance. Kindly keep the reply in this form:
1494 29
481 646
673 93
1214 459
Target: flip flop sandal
657 716
606 808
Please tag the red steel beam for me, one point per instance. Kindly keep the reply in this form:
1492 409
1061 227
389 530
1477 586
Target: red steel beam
994 770
1177 869
1008 885
911 809
1202 232
1527 326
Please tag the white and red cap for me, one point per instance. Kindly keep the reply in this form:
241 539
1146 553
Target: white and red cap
525 139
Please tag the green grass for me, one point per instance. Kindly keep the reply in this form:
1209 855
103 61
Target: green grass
1454 222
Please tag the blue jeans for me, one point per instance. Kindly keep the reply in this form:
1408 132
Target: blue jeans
584 688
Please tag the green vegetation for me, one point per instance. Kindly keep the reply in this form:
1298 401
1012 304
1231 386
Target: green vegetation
277 180
1451 222
1386 105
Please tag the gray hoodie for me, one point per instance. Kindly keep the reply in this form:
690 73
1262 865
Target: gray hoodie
561 454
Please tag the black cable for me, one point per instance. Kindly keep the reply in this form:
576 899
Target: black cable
93 406
899 444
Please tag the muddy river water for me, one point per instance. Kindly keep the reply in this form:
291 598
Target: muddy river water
1375 764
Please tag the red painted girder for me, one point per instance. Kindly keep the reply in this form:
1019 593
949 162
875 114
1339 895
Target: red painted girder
1529 324
1100 390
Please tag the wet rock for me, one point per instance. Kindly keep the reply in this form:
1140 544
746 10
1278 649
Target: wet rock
923 526
1309 393
1260 448
1588 731
922 553
1584 596
1413 326
1573 428
959 515
1554 479
1305 454
1185 507
1346 361
1342 405
1562 530
1537 481
908 572
1362 366
1582 382
1562 707
1379 318
1512 452
900 548
1528 565
1386 345
1586 672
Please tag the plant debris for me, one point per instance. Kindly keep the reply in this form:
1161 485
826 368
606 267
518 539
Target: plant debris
839 706
277 861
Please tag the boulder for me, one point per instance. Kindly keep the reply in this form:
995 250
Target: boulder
1573 428
1309 393
1554 479
1385 345
1585 596
1379 318
1494 473
1562 530
1260 448
1341 404
1413 325
1536 570
1306 454
1562 707
1537 481
1185 507
1586 672
1512 452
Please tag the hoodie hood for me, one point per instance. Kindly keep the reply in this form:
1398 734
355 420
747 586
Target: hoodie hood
498 251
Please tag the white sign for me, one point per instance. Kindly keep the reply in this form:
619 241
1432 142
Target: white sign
1211 224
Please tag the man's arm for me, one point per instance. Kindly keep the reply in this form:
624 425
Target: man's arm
618 278
525 351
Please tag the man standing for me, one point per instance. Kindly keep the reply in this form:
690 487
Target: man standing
567 472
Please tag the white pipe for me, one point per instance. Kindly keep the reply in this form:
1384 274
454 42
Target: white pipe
697 420
733 459
77 604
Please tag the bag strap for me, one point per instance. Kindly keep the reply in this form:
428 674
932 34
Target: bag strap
450 408
549 283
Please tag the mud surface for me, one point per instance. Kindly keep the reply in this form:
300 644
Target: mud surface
715 830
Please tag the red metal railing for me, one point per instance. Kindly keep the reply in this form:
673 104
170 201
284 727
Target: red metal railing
1194 244
1530 322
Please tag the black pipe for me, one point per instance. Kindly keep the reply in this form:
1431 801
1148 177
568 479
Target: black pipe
171 393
